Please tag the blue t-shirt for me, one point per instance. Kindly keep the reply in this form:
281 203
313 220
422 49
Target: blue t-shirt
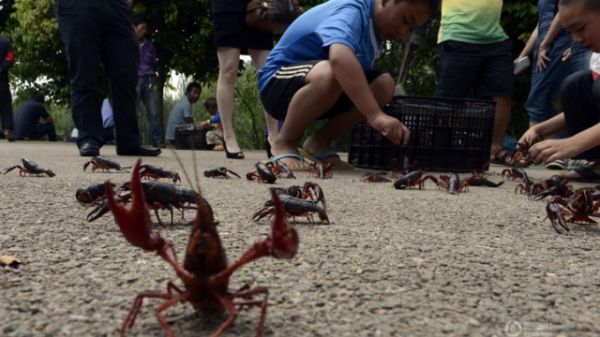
181 111
308 38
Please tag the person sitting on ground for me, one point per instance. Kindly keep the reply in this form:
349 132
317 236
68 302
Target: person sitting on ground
321 69
182 111
32 120
214 136
580 98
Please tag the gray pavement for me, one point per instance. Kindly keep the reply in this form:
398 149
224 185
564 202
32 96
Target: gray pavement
391 263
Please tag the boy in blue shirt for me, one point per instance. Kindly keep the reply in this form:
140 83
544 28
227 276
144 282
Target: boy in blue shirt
321 69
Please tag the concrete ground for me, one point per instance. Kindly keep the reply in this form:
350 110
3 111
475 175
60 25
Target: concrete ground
391 263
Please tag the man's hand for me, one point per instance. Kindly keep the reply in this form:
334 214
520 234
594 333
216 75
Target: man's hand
554 149
391 128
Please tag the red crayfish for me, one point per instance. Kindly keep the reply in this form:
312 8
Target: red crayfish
157 172
205 273
579 208
104 164
453 184
30 168
520 156
220 173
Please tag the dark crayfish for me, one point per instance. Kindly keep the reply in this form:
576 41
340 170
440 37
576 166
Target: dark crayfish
309 191
104 164
293 207
262 173
375 177
280 169
414 178
158 195
556 185
30 168
453 184
480 179
157 172
321 170
579 208
91 194
205 272
220 173
516 173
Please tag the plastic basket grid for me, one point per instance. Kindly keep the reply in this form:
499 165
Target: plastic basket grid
446 135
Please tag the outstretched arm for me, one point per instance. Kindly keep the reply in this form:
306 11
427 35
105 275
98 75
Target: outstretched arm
351 77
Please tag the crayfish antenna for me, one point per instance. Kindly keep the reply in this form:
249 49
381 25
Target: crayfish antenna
284 237
134 222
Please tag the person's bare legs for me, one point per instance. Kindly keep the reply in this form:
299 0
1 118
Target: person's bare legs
229 59
383 90
313 100
502 117
258 59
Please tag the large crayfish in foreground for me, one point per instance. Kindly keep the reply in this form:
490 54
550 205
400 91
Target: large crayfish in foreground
205 273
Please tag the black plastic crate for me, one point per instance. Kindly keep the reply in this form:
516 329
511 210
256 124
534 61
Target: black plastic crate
447 135
189 136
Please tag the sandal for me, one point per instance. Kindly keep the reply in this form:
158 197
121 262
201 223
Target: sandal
500 157
301 165
329 157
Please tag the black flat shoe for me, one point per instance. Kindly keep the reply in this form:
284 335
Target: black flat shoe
234 155
89 149
141 150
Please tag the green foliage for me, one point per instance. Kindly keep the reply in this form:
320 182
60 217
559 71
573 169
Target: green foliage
41 62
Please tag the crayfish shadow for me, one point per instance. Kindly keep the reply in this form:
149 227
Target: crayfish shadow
302 223
200 323
586 228
178 224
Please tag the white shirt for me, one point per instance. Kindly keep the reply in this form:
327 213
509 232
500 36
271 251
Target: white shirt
595 63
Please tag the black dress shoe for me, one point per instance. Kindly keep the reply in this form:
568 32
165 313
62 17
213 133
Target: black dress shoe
234 155
89 149
141 150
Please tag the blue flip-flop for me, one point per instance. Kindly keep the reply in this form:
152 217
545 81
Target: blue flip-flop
322 157
586 174
301 159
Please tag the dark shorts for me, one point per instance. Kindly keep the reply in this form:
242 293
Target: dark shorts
278 93
485 68
230 30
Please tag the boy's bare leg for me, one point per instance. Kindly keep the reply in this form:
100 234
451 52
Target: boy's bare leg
502 117
383 90
311 101
258 59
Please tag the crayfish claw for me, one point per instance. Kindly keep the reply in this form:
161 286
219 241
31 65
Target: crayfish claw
134 222
284 237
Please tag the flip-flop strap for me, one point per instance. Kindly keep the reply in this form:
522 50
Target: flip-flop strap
287 155
324 155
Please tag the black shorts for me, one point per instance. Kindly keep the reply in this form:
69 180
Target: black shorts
230 30
278 93
485 68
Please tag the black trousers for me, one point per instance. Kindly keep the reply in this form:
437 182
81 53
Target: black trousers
44 130
580 98
6 111
95 31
